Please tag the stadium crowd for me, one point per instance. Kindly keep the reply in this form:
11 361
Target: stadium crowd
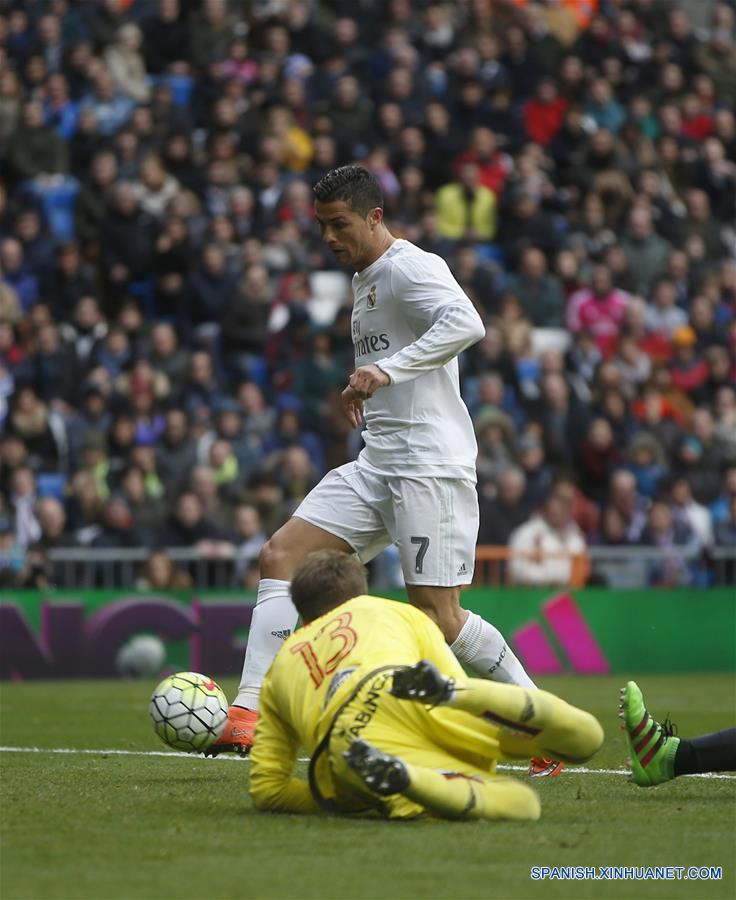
169 372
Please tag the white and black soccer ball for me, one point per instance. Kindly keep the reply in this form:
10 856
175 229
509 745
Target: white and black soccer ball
188 711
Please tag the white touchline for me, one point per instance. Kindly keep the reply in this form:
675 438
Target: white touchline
570 770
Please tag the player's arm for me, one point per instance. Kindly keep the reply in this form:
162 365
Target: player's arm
273 787
433 301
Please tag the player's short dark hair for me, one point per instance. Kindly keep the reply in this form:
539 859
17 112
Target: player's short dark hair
353 184
326 579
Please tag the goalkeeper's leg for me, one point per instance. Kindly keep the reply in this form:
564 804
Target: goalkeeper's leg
447 794
529 721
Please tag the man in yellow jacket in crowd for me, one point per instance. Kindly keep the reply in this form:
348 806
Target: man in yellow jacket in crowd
466 210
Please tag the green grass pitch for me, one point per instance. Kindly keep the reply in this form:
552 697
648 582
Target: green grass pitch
103 825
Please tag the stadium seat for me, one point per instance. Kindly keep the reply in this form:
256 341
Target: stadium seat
57 196
50 484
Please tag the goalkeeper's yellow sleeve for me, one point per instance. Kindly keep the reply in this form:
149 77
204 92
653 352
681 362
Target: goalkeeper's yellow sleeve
273 786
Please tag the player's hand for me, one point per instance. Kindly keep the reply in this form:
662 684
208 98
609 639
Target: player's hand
366 380
352 405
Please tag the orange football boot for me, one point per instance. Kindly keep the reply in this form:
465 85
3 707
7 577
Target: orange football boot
238 734
544 768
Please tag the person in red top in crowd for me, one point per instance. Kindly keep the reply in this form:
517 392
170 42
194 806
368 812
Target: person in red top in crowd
697 124
599 309
543 114
493 165
11 351
689 371
656 345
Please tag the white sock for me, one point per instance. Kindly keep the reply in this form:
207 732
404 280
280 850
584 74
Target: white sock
274 618
483 649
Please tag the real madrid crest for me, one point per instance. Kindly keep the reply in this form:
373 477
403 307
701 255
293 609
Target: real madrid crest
372 297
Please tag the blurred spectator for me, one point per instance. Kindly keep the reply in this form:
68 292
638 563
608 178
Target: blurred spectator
244 321
22 496
187 526
118 527
176 452
69 280
466 209
41 429
687 510
52 521
543 549
505 510
156 188
126 65
539 293
495 434
647 463
563 419
603 108
629 506
211 289
599 309
109 108
127 239
15 274
646 252
701 458
494 166
663 314
159 573
725 531
670 568
599 455
91 205
543 114
34 148
689 371
166 45
167 357
147 511
55 367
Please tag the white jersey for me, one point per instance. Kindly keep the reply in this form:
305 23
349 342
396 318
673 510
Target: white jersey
412 318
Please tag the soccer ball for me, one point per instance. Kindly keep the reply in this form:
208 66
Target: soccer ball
189 711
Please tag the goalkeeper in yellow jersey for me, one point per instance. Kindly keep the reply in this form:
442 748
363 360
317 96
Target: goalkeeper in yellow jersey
391 722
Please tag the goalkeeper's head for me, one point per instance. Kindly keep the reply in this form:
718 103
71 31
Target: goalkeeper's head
324 580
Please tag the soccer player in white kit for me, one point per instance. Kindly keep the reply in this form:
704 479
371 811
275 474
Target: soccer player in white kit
414 482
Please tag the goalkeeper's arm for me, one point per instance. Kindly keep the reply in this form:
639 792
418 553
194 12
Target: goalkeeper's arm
273 786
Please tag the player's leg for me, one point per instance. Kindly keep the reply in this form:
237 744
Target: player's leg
527 721
272 621
436 527
656 755
446 793
419 760
334 515
274 616
476 643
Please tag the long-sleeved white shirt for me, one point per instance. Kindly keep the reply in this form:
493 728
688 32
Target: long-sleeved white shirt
412 319
554 567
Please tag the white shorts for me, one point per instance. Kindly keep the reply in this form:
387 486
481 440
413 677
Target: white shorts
432 521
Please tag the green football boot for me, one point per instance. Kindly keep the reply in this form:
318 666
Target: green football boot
652 747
